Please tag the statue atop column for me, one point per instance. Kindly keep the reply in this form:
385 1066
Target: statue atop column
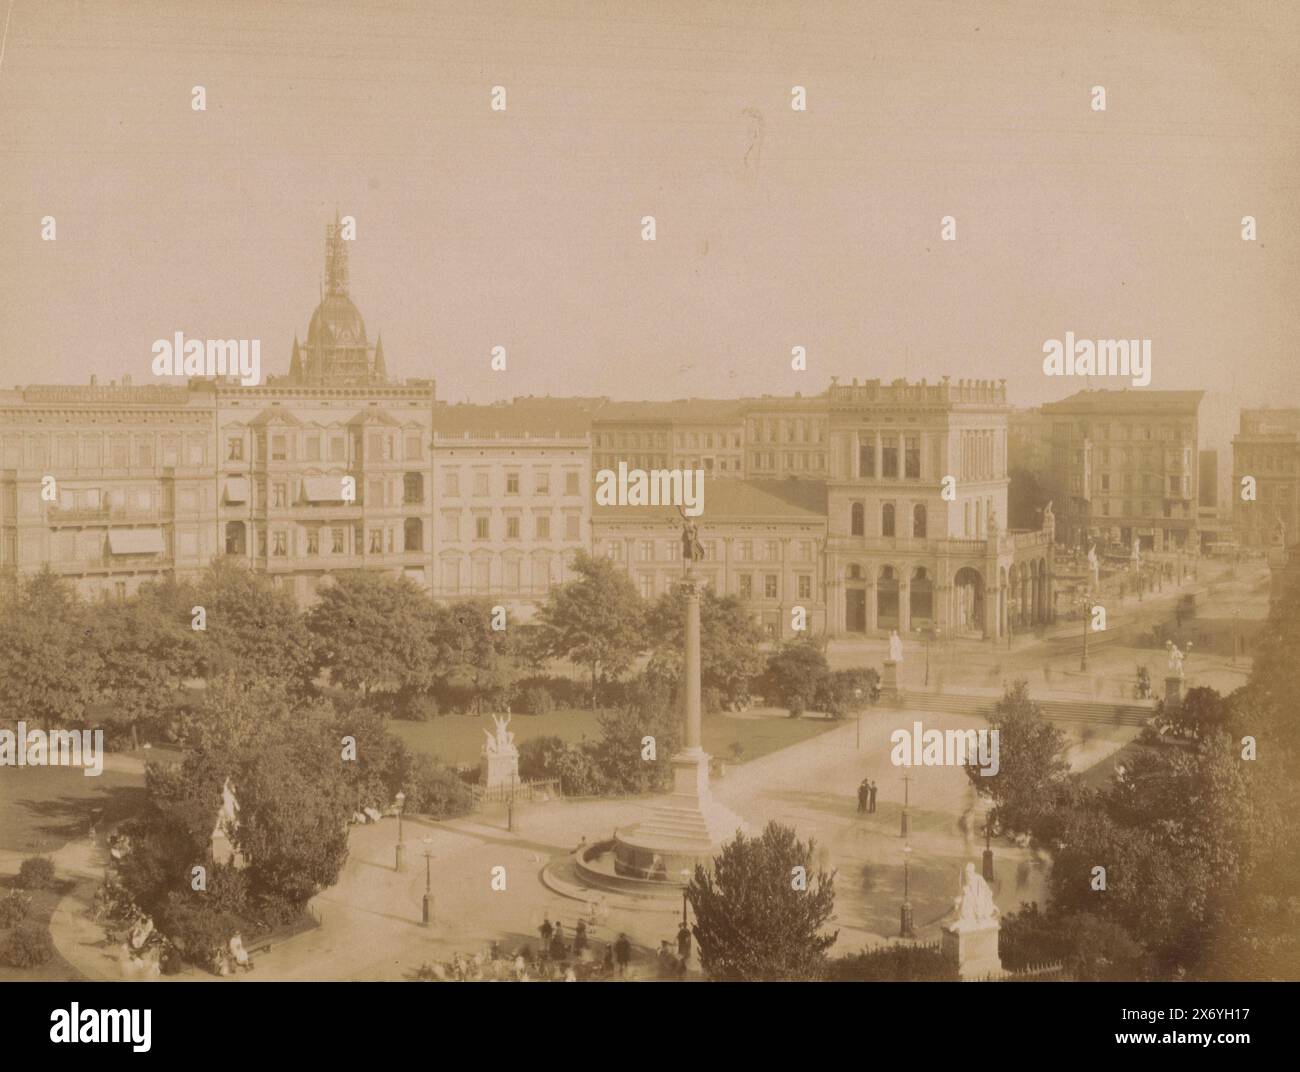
692 549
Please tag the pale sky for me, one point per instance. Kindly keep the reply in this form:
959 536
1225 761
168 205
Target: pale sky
775 228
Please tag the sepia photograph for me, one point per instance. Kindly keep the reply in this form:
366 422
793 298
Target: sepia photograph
685 491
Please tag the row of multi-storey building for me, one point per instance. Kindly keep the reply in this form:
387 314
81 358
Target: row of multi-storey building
872 506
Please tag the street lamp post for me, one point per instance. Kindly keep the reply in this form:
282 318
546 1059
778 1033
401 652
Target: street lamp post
905 929
428 882
857 732
686 878
907 811
401 800
988 852
1087 621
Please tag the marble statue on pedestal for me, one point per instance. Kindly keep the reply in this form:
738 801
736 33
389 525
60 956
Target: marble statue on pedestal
895 647
970 937
501 757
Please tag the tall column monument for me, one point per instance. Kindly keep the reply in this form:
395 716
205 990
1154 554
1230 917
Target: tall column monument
688 825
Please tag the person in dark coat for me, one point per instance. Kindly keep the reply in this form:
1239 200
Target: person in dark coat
871 803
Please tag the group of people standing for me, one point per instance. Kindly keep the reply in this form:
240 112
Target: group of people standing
866 796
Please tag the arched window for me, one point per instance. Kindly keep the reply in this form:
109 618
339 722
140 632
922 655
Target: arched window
857 520
887 598
918 521
921 592
887 519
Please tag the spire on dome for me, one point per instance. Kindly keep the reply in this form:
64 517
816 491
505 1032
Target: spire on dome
295 362
380 371
336 259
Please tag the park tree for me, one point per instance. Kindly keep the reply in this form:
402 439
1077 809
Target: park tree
595 620
134 646
49 670
795 671
488 660
1033 773
372 632
620 750
253 629
760 910
730 642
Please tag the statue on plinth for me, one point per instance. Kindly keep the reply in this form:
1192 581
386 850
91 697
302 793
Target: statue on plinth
223 833
895 646
1049 518
1175 659
1094 564
503 744
501 757
973 906
970 937
1279 529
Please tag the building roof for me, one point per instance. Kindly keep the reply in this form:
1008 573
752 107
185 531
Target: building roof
736 500
529 415
1126 401
679 411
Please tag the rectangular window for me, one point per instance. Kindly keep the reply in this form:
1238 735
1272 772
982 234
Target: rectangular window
912 457
280 494
261 543
451 483
543 526
745 551
279 544
512 527
480 528
144 453
889 459
512 483
279 448
376 546
338 543
805 586
746 586
769 586
542 482
572 530
313 541
647 551
615 550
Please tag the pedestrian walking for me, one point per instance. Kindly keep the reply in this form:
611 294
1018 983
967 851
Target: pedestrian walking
580 937
684 942
622 954
871 803
545 930
863 790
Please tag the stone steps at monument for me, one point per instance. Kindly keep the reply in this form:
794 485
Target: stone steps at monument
1091 712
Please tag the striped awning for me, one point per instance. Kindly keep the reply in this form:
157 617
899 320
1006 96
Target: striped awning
135 541
322 488
237 489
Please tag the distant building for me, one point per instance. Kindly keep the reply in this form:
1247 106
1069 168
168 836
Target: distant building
762 542
690 433
1125 467
1267 448
901 552
513 489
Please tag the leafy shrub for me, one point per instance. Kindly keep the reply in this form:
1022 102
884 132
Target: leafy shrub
537 700
36 873
26 946
200 930
711 699
793 673
840 692
14 908
894 963
417 707
435 790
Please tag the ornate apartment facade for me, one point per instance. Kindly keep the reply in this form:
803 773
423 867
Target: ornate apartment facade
1267 447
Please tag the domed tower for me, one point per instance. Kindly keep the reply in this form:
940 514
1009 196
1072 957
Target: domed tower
337 352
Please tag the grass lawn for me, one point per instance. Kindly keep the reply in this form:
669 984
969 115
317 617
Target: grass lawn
458 739
42 808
